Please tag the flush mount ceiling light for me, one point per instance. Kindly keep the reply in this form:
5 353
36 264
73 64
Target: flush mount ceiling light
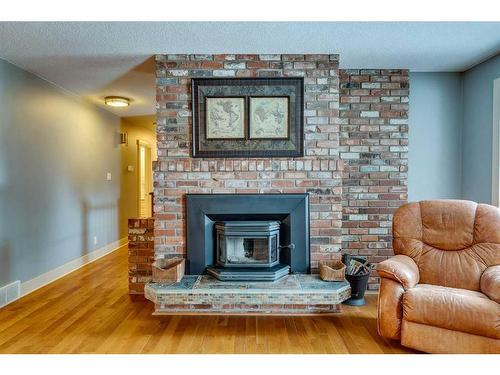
117 101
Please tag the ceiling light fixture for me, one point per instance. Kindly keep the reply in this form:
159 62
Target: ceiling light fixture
117 101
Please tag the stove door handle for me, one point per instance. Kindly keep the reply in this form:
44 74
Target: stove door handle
291 246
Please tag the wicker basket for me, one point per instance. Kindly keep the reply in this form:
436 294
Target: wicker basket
332 270
168 270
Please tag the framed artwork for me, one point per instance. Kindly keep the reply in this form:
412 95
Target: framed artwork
248 117
269 118
225 118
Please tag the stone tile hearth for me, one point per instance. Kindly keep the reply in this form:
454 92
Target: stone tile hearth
300 294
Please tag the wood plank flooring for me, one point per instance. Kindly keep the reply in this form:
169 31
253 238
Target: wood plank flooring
89 311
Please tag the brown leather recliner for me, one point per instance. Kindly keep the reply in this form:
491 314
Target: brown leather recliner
441 292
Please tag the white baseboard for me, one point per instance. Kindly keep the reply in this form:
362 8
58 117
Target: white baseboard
9 293
52 275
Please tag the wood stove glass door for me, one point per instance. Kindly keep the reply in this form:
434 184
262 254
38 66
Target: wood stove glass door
248 251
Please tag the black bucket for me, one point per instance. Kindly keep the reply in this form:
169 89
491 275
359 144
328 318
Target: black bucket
358 289
359 283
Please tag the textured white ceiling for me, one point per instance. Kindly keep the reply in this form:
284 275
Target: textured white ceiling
109 58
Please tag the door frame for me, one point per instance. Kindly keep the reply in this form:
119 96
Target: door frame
142 143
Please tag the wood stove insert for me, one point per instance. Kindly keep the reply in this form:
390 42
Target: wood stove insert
248 250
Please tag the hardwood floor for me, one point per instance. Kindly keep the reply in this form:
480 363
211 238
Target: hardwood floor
89 311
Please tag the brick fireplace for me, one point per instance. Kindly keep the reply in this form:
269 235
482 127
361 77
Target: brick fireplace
355 151
318 173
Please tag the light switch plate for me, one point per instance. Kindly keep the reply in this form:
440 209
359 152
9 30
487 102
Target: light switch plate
130 168
108 176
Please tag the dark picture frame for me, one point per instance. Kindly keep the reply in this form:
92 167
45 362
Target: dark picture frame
276 87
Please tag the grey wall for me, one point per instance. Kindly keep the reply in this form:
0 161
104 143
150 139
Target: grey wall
477 129
435 136
55 151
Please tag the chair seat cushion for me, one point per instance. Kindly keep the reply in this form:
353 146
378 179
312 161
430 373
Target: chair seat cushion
456 309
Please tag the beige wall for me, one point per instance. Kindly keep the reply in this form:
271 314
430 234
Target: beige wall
138 128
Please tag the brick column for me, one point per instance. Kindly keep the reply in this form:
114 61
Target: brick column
140 253
374 146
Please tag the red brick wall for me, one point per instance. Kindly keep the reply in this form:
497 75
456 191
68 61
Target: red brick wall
374 146
319 172
355 163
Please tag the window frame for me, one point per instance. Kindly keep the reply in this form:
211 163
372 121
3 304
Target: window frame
495 172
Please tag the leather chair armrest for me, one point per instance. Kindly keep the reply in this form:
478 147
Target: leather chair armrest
400 268
490 283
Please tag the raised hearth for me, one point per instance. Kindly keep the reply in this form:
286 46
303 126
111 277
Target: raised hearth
293 294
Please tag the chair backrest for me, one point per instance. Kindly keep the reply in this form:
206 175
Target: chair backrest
452 241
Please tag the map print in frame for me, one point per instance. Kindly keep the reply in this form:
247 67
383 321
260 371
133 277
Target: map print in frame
225 118
269 118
